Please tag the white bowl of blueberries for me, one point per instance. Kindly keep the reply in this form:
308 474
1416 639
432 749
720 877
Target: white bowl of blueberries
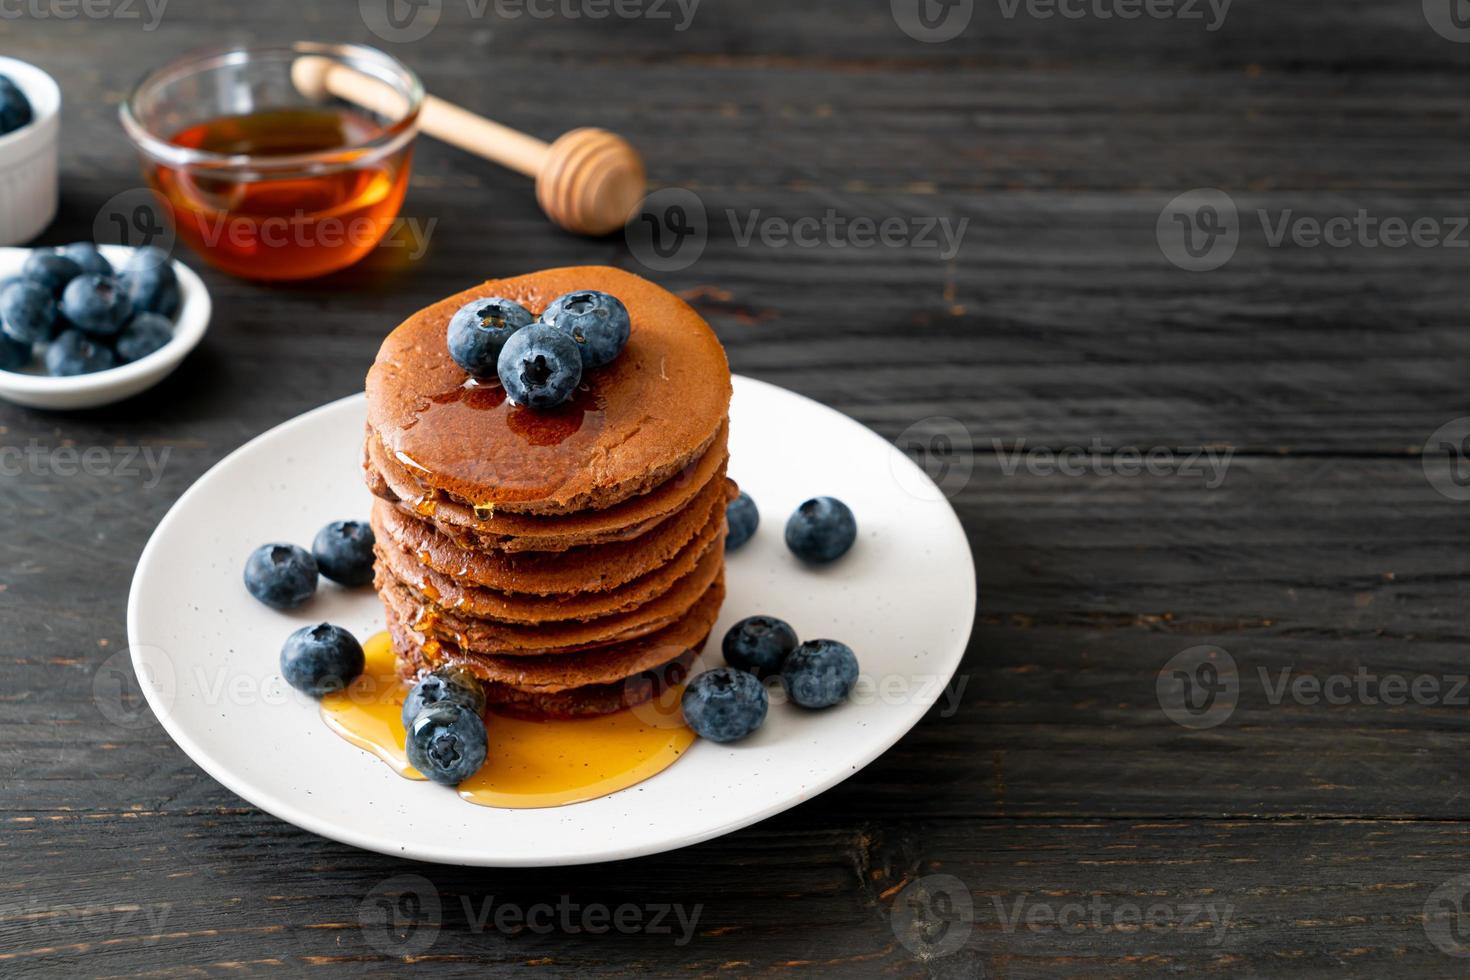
30 128
87 325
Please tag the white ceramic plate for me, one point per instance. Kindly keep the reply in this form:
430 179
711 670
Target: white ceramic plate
35 388
205 652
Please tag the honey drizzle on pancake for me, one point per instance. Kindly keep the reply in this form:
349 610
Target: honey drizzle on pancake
409 462
531 764
427 618
428 504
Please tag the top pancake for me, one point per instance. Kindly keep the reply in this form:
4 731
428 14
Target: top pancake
631 425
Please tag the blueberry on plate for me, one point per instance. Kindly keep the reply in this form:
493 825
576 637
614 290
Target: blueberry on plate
27 312
320 659
743 518
144 334
88 257
478 331
447 742
13 354
282 576
724 704
455 685
821 530
51 269
820 673
344 552
15 108
540 366
759 644
75 353
97 304
151 282
596 321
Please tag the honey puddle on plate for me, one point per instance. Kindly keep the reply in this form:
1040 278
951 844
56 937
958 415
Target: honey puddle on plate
530 763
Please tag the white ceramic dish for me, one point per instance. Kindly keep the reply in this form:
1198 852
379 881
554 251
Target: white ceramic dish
35 388
206 653
28 183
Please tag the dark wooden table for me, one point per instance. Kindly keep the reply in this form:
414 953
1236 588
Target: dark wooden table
1083 830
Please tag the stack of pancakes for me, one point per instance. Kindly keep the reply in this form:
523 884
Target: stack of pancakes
572 558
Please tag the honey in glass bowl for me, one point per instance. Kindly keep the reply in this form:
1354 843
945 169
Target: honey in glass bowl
288 188
289 227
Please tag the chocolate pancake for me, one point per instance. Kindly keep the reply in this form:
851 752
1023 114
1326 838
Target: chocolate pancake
540 675
506 531
594 699
487 636
633 424
575 702
479 602
592 569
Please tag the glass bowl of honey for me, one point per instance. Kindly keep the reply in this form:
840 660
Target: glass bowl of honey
264 180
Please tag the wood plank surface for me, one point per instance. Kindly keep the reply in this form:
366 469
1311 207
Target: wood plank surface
1049 818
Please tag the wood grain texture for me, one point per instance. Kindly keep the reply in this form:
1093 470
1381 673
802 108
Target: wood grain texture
1053 786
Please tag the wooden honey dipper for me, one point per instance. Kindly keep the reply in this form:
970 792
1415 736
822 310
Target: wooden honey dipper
589 181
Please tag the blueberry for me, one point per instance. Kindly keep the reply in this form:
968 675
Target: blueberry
596 321
821 530
725 704
87 257
15 108
479 330
743 518
13 354
820 673
320 659
97 304
344 552
27 312
453 684
540 366
76 353
759 644
447 743
151 282
51 269
144 334
282 576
